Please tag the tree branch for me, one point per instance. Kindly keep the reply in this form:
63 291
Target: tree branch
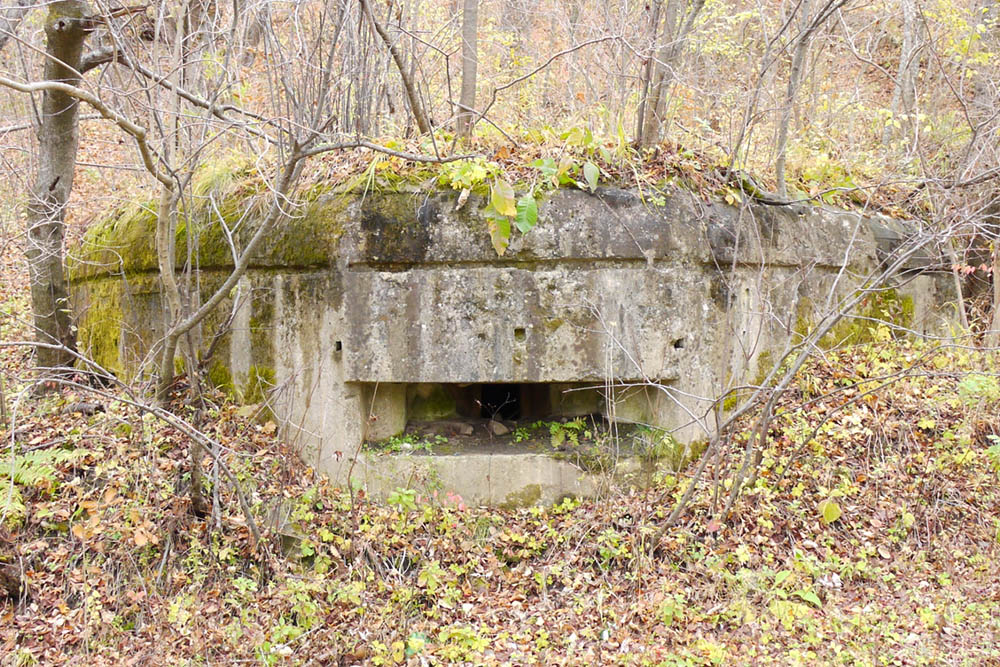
136 131
111 54
361 143
577 47
11 16
423 124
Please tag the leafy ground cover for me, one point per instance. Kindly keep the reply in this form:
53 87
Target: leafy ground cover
870 537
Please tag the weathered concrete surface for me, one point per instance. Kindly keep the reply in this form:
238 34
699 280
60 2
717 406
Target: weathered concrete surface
686 299
514 479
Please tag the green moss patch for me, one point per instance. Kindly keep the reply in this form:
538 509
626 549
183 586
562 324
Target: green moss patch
260 380
430 403
880 307
526 497
100 337
232 199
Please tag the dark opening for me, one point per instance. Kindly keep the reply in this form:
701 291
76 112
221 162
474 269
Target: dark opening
338 346
501 401
520 334
506 401
679 343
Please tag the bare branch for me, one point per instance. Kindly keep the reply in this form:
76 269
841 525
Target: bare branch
549 61
361 143
423 124
11 16
149 158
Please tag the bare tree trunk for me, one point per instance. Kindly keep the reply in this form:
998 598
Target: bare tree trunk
993 335
416 107
904 92
4 421
794 80
467 101
809 23
661 76
166 252
678 23
65 32
647 78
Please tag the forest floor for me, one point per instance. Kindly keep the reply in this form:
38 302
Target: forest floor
874 541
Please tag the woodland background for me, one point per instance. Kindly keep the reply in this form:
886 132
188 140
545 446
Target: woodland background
142 525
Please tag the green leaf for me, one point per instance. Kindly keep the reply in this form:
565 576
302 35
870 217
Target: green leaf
527 213
546 165
415 643
591 173
502 198
564 175
578 136
810 597
781 576
829 510
499 227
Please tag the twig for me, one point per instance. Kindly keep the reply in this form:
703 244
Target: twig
361 143
149 158
524 77
29 125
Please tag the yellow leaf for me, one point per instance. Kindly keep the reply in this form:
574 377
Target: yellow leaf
829 510
502 198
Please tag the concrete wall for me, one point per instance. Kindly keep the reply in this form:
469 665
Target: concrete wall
692 297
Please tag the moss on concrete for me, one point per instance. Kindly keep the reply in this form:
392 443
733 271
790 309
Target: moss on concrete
529 495
309 239
220 377
260 380
123 242
262 327
100 337
431 404
881 306
884 306
234 195
765 364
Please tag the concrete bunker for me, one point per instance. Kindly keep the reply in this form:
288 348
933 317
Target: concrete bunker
374 314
